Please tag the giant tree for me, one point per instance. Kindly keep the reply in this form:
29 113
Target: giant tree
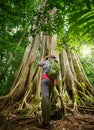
49 28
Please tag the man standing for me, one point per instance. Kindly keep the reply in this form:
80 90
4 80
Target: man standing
47 85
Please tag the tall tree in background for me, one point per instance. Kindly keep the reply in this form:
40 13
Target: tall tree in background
73 86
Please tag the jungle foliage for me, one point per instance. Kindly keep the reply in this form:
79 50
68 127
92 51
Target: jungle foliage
33 29
73 21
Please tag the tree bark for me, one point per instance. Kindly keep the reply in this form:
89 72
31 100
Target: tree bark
73 85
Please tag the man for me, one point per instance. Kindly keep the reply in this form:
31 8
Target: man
47 85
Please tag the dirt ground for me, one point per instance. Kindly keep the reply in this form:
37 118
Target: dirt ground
69 122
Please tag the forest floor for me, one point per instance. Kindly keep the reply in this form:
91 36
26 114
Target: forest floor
69 122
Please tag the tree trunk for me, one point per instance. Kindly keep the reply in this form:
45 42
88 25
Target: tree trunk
74 79
73 85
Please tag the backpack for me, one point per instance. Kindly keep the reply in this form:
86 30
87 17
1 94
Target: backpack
54 69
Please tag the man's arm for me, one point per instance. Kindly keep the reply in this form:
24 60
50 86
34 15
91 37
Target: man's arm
41 63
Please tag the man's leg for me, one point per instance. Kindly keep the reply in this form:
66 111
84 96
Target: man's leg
45 105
